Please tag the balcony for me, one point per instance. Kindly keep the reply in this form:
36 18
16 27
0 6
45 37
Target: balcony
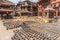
23 5
44 2
26 4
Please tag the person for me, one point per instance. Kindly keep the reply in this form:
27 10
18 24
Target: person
24 24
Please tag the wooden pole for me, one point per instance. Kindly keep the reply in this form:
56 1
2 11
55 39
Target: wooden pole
47 14
56 12
31 7
20 14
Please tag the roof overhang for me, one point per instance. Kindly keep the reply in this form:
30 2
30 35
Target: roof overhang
4 10
5 4
49 9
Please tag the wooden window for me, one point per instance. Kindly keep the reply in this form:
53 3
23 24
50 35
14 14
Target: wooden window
54 6
54 0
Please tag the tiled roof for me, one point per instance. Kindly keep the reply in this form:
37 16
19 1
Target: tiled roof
6 2
56 1
5 10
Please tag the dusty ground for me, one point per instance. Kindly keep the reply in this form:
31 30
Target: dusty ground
34 26
5 34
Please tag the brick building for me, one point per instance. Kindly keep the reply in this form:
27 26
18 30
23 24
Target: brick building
26 8
54 4
6 8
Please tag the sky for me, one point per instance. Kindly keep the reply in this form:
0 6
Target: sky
16 1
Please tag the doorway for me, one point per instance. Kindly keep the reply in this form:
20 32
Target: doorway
51 15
